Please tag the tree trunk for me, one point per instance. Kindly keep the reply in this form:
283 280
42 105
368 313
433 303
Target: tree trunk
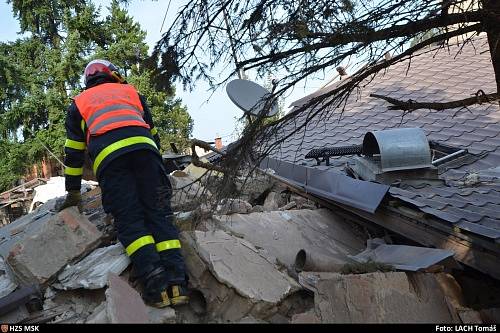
493 31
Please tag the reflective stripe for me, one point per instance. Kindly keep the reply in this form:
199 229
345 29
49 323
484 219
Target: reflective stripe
111 120
73 171
138 243
78 145
154 131
168 245
110 108
82 125
118 145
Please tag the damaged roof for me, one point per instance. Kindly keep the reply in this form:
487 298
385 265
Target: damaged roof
469 196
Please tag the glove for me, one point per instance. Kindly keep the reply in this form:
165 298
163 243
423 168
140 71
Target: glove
73 198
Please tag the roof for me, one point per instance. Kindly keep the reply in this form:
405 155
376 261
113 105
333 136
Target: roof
441 75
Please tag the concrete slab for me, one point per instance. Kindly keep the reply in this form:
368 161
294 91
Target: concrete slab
235 279
124 305
394 297
38 258
283 234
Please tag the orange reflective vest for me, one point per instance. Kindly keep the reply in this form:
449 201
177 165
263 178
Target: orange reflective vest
110 106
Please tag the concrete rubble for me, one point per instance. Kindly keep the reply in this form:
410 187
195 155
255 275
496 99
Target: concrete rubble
282 234
123 303
266 256
7 284
65 237
235 279
394 297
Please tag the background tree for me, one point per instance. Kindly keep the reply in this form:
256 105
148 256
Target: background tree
40 72
304 39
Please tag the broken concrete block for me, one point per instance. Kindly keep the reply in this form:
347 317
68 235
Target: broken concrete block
99 316
64 238
185 191
490 316
305 318
161 316
290 205
320 233
272 201
394 297
233 206
92 272
7 284
253 186
124 305
235 279
469 316
257 209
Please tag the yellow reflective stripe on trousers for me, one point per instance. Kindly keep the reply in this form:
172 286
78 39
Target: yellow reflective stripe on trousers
118 145
73 171
154 131
78 145
138 243
168 245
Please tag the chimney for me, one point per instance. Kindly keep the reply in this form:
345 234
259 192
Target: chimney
218 143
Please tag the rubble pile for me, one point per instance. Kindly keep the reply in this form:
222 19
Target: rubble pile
268 256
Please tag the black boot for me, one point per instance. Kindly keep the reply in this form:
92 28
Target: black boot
177 281
155 288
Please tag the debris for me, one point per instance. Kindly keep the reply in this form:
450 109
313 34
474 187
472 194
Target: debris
305 318
235 279
290 205
284 233
185 191
394 297
124 305
7 285
469 316
161 316
17 305
92 272
65 237
490 316
233 206
99 316
366 267
252 187
402 257
272 201
257 209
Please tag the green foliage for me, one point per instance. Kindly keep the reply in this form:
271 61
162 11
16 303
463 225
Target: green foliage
40 72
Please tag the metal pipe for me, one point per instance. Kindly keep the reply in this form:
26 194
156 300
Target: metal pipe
448 157
305 261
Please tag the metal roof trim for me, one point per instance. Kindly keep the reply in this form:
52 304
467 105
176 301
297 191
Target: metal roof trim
331 185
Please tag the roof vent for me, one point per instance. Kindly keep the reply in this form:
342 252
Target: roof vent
398 149
342 72
395 154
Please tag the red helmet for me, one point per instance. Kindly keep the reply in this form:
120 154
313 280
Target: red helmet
102 66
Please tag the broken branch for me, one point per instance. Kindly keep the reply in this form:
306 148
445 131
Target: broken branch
410 105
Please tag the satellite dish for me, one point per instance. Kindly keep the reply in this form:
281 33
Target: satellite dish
250 97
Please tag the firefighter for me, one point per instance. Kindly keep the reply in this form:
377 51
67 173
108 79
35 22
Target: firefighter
113 122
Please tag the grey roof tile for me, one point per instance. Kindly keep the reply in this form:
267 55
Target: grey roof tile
436 76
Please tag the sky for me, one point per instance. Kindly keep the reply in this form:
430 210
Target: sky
213 114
